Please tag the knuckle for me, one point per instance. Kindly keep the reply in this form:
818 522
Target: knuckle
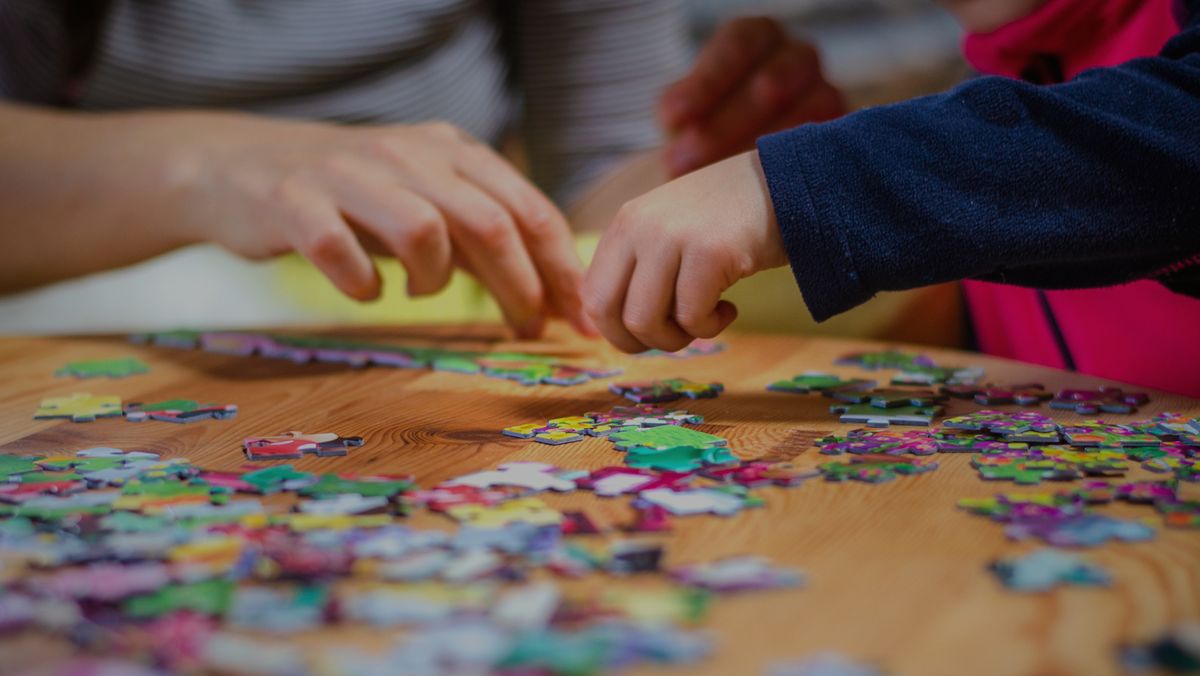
595 303
493 231
326 243
639 323
425 230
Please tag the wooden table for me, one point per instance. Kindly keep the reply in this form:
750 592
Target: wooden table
896 573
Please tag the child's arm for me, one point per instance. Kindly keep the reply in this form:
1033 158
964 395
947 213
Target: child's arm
1088 183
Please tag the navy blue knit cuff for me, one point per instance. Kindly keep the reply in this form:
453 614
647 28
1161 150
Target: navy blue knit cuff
805 202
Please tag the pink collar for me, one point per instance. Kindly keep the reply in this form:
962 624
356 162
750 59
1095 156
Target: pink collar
1079 34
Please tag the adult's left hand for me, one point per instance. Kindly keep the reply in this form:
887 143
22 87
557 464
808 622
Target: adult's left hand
750 79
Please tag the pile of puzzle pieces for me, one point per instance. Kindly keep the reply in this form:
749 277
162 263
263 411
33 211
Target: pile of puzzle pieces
122 549
527 369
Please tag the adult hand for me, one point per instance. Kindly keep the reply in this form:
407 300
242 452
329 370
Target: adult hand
750 79
429 194
659 272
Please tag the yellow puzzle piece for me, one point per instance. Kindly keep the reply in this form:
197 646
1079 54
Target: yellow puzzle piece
529 510
79 407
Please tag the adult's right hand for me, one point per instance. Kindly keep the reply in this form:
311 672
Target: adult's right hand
429 194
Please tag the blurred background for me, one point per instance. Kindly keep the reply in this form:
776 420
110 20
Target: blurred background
876 51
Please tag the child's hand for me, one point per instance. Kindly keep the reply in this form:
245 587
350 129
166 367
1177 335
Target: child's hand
750 79
428 194
657 278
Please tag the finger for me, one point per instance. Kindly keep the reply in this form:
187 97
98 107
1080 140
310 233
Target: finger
699 309
321 236
782 81
484 233
650 302
408 226
605 289
734 51
543 229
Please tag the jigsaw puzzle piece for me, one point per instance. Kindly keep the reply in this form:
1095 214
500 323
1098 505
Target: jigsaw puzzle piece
532 476
818 381
1106 399
104 368
678 458
669 389
294 445
79 407
179 411
738 573
866 414
1046 569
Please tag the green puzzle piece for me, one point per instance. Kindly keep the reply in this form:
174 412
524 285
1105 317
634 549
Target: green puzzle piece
12 466
664 436
678 458
132 522
210 597
273 479
866 414
98 368
332 484
1022 471
79 407
81 465
814 381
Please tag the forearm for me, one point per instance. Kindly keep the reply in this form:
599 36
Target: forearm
1083 184
86 192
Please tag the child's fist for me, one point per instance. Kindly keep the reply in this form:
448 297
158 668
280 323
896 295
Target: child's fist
657 278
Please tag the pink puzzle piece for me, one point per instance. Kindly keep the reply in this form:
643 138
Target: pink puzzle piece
294 445
612 481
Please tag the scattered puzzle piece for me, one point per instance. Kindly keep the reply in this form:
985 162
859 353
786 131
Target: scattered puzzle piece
12 466
1025 394
1046 569
758 474
739 573
104 368
528 510
678 458
670 389
532 476
294 445
663 437
890 398
817 381
875 468
79 407
865 414
1106 399
890 442
179 411
1087 530
722 502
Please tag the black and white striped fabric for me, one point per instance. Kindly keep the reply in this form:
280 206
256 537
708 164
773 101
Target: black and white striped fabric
584 74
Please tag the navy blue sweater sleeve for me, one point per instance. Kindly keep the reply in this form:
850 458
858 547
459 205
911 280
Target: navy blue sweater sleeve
1092 182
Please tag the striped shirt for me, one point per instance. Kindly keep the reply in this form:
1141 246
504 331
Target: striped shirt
579 78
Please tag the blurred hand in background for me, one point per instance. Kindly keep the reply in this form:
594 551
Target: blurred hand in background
750 79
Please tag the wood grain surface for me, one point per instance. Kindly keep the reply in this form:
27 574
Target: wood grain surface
896 573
